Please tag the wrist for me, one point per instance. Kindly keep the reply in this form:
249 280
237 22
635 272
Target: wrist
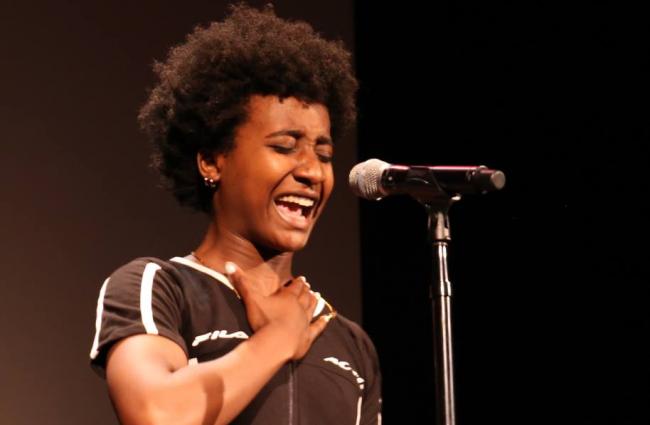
276 341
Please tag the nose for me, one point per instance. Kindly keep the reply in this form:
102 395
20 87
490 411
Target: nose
309 169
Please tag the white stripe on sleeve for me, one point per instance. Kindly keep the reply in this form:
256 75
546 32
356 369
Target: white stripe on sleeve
98 320
146 288
359 410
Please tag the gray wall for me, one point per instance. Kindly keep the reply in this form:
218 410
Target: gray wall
78 199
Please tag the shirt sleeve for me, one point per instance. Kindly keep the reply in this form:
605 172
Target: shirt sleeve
141 297
371 406
367 358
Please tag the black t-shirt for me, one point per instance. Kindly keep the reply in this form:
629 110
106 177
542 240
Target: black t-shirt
338 382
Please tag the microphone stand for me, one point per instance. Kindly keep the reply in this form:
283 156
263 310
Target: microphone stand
440 294
437 196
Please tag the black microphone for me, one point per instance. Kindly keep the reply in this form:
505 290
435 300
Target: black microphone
373 179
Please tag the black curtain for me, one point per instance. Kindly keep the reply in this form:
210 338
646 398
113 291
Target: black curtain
549 274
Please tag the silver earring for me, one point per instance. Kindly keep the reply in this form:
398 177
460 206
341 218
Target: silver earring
209 182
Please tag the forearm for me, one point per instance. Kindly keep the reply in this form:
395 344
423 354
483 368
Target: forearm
243 372
213 392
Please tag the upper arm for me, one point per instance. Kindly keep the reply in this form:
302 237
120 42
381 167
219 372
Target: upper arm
138 370
139 298
372 398
138 343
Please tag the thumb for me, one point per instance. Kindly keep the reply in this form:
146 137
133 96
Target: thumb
236 278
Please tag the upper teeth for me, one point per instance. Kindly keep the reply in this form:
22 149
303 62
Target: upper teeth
303 202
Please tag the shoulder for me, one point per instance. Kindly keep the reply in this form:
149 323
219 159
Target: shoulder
148 270
142 279
351 328
355 334
145 280
141 265
143 296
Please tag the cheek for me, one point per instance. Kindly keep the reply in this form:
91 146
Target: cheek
329 182
256 179
328 185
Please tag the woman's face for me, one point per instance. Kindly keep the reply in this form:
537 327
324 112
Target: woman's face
276 180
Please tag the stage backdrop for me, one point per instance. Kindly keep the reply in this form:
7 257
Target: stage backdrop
550 275
78 199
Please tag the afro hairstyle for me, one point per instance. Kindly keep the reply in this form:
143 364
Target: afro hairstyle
205 84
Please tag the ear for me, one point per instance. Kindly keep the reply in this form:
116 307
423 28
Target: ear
210 166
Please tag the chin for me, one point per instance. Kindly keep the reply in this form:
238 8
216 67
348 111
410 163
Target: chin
289 243
294 245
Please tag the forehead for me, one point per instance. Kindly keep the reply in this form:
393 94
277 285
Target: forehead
270 114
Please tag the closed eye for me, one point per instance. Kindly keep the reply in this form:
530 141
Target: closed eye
283 149
324 157
324 150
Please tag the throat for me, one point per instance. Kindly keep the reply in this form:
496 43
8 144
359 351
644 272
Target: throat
262 267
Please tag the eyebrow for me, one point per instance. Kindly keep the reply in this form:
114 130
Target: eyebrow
320 140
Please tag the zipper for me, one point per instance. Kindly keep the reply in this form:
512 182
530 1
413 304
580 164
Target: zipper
292 392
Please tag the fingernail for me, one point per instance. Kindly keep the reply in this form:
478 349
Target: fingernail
329 317
230 267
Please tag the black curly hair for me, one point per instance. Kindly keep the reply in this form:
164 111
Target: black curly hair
206 83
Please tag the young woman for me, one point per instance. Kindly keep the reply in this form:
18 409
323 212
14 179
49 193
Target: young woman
243 121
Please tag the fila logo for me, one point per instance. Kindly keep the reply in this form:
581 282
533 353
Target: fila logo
218 334
346 366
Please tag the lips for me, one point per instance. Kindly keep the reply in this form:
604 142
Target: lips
296 209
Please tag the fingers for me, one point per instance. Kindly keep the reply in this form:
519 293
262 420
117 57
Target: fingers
314 330
298 285
312 303
318 326
307 299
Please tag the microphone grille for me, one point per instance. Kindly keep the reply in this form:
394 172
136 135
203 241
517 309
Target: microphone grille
365 179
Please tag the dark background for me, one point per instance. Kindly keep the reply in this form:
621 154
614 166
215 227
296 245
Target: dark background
548 275
550 301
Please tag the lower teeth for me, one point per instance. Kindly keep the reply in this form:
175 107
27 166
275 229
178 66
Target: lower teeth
291 210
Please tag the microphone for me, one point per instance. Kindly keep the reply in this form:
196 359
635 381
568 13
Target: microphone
373 179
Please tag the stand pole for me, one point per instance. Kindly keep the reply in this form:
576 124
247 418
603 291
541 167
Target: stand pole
441 308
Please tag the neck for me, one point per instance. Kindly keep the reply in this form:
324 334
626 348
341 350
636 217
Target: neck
267 270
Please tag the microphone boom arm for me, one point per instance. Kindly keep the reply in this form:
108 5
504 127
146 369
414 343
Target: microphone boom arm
427 183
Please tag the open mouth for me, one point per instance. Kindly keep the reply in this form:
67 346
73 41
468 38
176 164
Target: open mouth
295 209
